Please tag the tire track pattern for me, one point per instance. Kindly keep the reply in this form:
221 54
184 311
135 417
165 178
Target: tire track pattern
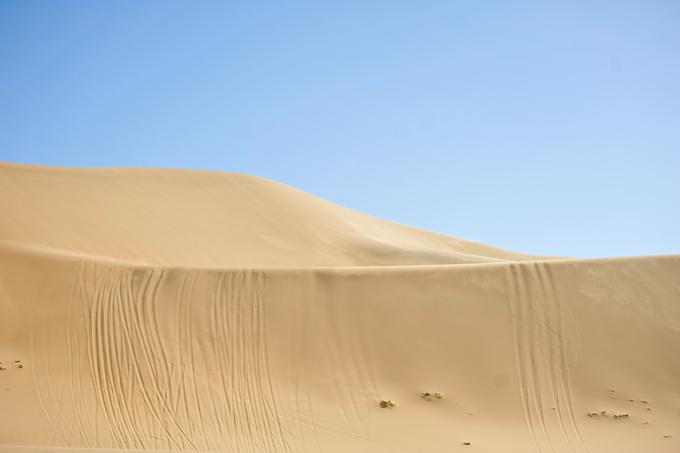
163 359
543 335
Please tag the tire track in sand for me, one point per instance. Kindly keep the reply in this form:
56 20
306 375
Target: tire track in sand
241 355
127 364
567 337
163 359
542 335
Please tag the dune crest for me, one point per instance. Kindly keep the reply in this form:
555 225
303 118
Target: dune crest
172 310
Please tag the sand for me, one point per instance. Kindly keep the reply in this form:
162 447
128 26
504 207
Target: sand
155 309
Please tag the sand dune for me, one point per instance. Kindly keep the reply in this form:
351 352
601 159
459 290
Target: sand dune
147 309
209 219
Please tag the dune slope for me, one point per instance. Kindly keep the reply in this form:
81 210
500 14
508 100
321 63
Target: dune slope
123 329
208 219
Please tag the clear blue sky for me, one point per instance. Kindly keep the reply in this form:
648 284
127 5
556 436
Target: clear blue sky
547 127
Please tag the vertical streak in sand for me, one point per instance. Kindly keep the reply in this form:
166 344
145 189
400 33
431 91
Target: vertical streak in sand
541 338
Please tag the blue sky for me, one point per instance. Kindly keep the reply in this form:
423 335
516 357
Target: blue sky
547 127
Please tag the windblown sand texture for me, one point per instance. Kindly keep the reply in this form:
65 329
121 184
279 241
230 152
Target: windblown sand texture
148 309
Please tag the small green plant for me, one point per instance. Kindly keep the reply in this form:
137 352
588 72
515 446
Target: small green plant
387 404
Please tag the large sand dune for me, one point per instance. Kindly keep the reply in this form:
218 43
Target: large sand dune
182 310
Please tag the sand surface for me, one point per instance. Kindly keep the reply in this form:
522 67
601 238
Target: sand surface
165 310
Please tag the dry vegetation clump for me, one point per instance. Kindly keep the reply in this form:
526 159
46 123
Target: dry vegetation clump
606 414
387 404
427 396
